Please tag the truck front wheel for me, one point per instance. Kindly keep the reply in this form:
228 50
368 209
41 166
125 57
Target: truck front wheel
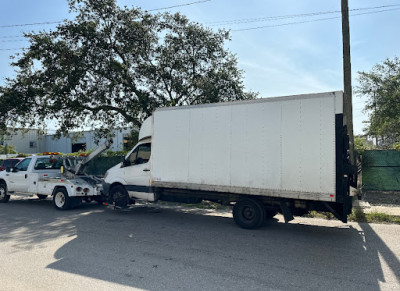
61 200
4 197
119 197
249 213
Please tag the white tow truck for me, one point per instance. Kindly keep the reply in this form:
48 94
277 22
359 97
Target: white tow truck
63 178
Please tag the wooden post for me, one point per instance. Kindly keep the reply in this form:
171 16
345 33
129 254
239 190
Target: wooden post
347 105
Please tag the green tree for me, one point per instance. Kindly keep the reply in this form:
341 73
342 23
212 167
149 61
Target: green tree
111 67
382 87
361 144
7 149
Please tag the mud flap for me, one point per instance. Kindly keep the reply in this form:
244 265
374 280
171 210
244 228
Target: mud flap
340 210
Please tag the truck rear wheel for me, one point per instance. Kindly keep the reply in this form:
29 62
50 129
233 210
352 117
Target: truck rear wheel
249 213
4 197
61 200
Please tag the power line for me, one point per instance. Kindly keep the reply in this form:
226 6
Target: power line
309 21
30 24
13 40
180 5
12 49
57 22
12 36
289 16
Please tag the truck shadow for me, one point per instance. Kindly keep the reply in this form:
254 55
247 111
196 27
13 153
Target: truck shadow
32 222
148 245
165 249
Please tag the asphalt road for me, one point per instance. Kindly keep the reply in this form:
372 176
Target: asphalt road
152 248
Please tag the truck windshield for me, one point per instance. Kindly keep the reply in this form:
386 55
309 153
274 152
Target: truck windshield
47 163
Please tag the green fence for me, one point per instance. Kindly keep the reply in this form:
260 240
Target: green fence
100 165
381 170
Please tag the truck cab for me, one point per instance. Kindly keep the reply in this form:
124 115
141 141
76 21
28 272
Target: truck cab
132 175
24 176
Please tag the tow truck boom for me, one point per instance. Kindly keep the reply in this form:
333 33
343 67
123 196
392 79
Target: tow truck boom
80 167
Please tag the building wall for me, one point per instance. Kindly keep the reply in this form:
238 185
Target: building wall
62 145
26 141
30 142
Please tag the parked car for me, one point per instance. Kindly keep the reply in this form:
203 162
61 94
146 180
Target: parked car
9 163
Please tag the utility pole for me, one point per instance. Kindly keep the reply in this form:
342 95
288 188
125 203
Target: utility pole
348 104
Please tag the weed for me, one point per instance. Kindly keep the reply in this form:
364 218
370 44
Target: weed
357 215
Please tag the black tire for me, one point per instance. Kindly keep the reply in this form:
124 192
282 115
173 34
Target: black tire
119 196
4 197
61 200
249 213
41 196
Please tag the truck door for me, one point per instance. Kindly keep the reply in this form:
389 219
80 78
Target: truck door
18 176
137 172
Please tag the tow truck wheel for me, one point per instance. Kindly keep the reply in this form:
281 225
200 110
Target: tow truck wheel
249 213
61 200
4 197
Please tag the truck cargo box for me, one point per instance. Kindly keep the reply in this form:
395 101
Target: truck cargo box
280 147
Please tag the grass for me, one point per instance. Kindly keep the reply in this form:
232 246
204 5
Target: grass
358 215
376 217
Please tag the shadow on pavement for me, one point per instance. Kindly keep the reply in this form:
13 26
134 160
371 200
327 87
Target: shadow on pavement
167 249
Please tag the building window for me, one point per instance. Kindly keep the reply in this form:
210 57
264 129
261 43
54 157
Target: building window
76 147
32 144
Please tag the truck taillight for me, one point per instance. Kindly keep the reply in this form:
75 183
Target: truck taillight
78 189
86 190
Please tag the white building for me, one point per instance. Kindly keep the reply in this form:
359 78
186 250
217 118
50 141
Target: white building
31 141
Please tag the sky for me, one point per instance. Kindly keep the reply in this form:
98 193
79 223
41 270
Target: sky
283 47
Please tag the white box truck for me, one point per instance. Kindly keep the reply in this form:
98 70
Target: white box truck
263 156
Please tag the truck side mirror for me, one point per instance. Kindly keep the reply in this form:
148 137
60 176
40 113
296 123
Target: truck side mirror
125 163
